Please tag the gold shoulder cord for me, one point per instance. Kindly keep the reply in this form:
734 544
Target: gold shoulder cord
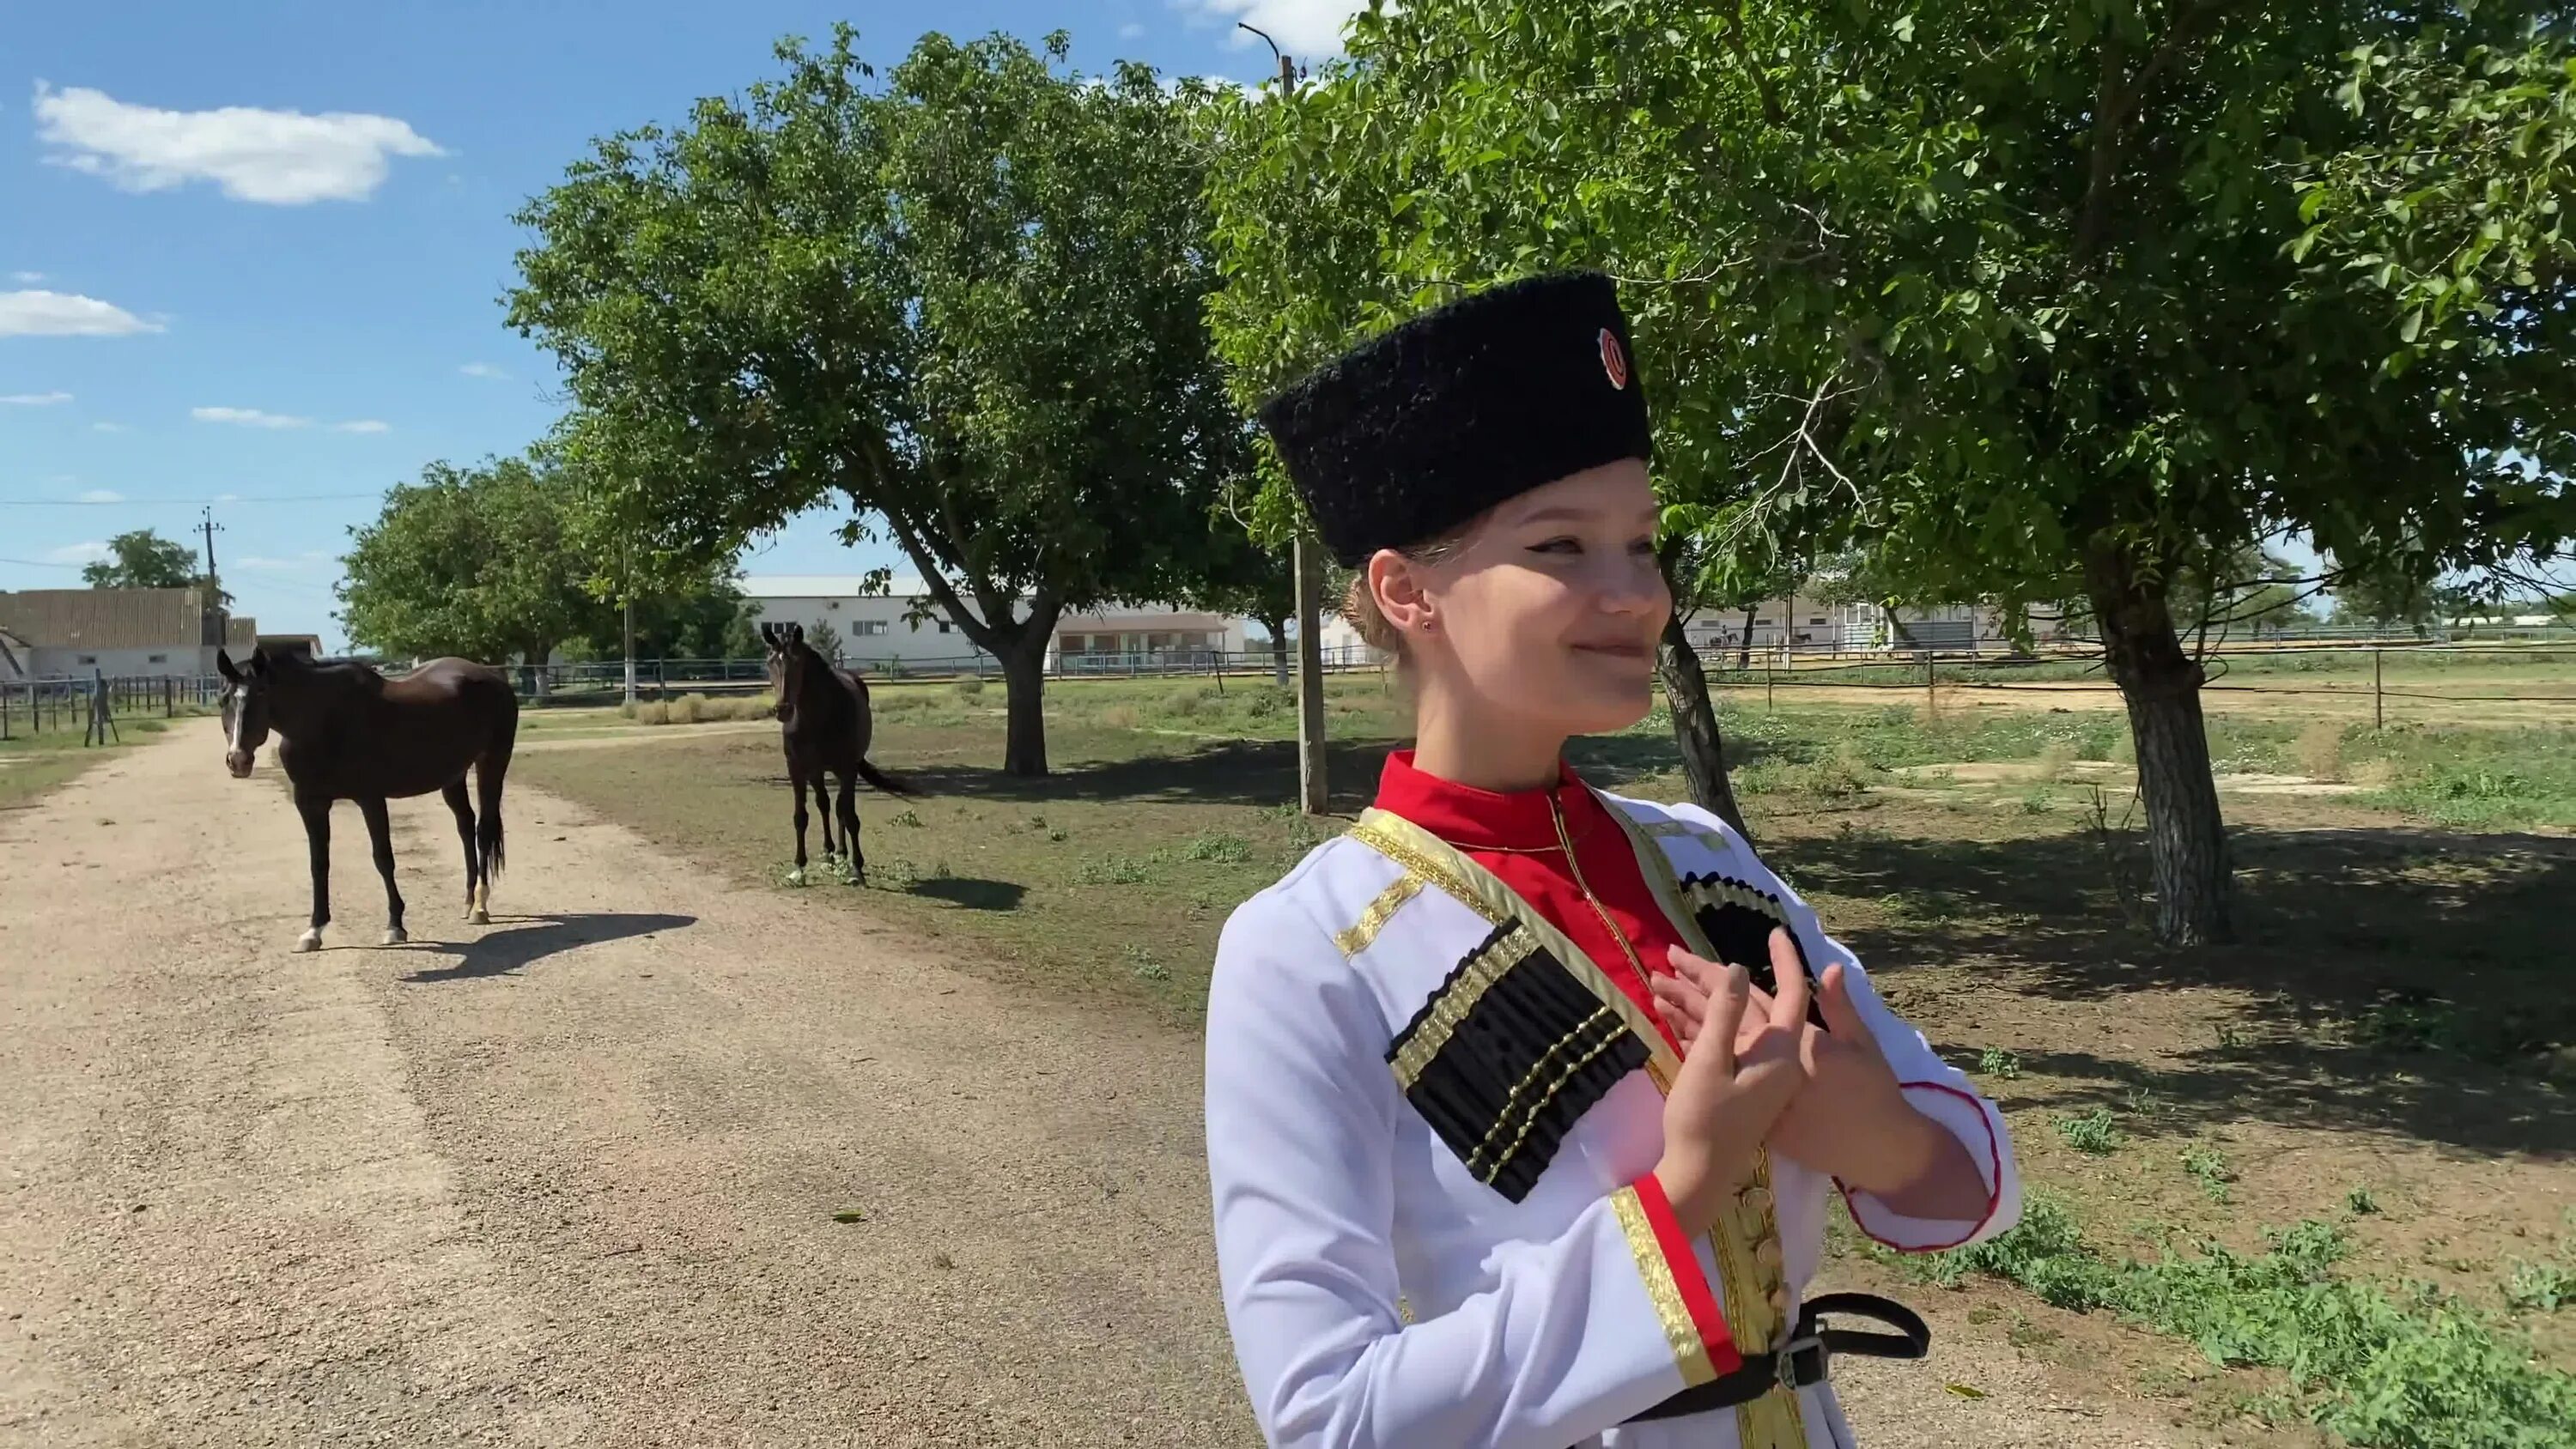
1747 1234
1753 1283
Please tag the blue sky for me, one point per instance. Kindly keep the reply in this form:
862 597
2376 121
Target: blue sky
251 254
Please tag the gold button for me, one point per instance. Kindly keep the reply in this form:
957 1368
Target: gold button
1755 1201
1767 1254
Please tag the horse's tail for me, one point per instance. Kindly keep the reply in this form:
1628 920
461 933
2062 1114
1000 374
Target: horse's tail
882 780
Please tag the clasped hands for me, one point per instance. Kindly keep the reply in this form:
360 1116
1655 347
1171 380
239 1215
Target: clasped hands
1755 1070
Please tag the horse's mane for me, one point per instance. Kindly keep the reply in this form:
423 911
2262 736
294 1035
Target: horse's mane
341 671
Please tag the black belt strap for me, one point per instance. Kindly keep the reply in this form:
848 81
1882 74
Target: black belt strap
1806 1357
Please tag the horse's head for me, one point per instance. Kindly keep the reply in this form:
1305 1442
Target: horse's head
248 700
786 642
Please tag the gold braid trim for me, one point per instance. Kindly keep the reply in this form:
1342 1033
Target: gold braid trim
1481 891
1601 1024
1456 1001
1360 934
1776 1420
1690 1355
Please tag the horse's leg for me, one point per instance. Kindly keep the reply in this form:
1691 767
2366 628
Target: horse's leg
796 787
461 805
316 811
380 834
488 774
849 810
823 808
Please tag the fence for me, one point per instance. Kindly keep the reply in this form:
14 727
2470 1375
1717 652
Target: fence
43 706
2526 682
586 680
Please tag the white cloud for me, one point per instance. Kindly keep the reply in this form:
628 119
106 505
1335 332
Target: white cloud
27 279
228 498
282 158
102 495
268 565
74 553
65 314
34 399
483 369
248 418
107 427
362 425
1307 29
1130 30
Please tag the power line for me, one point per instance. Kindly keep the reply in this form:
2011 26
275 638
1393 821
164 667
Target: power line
29 563
183 502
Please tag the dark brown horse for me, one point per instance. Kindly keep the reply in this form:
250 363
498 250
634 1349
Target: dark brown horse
824 723
345 732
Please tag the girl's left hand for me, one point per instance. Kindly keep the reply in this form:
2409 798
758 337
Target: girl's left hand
1849 1119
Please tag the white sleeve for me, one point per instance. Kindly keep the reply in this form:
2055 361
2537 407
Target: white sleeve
1572 1337
1937 1089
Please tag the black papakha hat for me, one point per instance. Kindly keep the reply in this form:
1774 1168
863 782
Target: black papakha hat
1423 428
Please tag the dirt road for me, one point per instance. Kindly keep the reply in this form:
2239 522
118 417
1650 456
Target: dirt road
574 1178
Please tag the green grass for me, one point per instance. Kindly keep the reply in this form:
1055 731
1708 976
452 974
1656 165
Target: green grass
31 765
2095 1134
2413 1369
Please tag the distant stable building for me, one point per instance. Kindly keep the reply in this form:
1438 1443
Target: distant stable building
121 633
873 629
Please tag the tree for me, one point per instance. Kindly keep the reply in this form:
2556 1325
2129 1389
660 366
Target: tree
2044 302
1251 579
968 304
143 559
475 562
825 639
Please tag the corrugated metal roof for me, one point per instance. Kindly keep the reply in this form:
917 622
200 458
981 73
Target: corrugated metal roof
241 631
104 618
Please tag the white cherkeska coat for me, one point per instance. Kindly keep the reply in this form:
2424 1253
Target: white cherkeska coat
1541 1324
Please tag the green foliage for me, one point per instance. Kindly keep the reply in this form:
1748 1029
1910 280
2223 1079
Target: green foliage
2542 1287
471 561
2041 302
2411 1371
966 302
142 559
2209 1168
1999 1063
2094 1134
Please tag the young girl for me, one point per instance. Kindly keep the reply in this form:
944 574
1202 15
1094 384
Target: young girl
1523 1099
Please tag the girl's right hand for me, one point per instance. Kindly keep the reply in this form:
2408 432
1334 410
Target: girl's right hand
1733 1085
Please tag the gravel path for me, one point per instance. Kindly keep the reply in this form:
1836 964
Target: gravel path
573 1178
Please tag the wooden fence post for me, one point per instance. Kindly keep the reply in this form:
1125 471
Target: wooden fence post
2378 699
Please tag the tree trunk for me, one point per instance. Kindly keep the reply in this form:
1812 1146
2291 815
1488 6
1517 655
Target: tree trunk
1695 727
1024 751
541 688
1744 648
1278 649
2186 838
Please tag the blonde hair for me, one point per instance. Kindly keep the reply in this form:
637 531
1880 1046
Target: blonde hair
1359 602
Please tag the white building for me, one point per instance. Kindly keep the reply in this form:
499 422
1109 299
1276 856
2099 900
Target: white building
121 633
909 628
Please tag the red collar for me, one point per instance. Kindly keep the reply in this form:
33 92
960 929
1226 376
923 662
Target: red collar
1474 819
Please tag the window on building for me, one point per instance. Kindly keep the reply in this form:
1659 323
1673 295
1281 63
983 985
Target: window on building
947 626
89 659
1156 643
160 659
1817 620
831 603
869 628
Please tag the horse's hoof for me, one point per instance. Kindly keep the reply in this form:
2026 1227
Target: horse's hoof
796 877
479 916
397 937
310 940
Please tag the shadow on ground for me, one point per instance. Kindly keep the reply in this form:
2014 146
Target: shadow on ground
2400 980
530 939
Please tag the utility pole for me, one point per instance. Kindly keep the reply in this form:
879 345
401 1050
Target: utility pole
1314 790
214 586
627 588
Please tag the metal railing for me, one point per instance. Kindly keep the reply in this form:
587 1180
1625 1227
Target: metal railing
43 706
